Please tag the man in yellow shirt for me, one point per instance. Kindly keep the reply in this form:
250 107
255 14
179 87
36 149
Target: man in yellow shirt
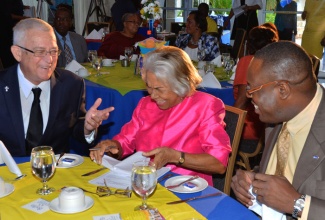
212 25
285 93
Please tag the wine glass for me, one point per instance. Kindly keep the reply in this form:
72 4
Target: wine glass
105 32
97 64
144 181
228 66
128 52
90 56
43 166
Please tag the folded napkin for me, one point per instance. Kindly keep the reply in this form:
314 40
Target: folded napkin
122 57
94 35
73 66
264 211
5 157
210 81
217 61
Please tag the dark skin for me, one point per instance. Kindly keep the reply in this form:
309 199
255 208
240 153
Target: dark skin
274 103
62 22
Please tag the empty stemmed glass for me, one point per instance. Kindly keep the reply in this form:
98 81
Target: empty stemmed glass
229 66
105 32
97 64
144 181
43 166
128 52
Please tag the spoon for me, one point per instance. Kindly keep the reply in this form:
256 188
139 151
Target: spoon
61 155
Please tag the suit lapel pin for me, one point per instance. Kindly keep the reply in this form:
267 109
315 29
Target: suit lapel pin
6 88
316 157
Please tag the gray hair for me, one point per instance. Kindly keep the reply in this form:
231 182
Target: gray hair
27 24
173 66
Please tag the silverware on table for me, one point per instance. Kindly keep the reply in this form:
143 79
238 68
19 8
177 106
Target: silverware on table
61 155
93 172
194 198
165 177
185 181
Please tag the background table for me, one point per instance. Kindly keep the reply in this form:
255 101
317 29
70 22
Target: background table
220 207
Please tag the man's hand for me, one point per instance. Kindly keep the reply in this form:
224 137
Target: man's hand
275 192
95 117
240 184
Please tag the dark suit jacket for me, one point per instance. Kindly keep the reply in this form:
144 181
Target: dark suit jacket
79 47
309 177
66 108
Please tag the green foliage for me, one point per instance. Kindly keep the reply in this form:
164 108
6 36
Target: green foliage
220 4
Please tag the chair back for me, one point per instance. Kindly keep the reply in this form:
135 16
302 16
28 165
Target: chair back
316 63
238 47
234 120
1 65
175 27
97 26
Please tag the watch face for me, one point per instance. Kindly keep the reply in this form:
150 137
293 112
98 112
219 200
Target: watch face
300 203
181 160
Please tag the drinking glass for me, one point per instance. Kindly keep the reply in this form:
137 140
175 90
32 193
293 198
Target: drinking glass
228 66
224 59
97 64
144 181
128 52
43 166
90 56
105 32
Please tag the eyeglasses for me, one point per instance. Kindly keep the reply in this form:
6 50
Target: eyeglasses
63 19
249 92
134 22
42 53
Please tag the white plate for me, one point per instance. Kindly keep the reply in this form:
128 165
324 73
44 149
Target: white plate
77 160
54 206
9 188
109 65
200 183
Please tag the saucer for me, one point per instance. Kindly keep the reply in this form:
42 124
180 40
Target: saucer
69 160
199 184
54 206
110 65
9 188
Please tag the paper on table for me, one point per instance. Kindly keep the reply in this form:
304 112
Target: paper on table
5 157
264 211
210 81
73 66
94 35
120 171
217 61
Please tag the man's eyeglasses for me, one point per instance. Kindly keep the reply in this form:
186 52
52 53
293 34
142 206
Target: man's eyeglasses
249 92
134 22
42 53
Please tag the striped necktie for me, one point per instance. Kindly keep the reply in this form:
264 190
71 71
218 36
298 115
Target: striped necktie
67 52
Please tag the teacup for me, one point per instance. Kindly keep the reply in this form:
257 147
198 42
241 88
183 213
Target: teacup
125 63
71 199
134 57
107 62
2 187
82 72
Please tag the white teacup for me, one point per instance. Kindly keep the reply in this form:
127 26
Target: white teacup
82 72
107 62
134 57
72 199
201 64
2 187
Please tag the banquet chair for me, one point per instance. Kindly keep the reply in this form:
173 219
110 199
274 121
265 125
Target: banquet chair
234 120
1 65
238 47
176 27
316 63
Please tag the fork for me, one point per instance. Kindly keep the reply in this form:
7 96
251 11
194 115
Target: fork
185 181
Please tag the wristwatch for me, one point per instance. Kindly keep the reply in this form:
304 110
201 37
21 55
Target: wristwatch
181 160
298 206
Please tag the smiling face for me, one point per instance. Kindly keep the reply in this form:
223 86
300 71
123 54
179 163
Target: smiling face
161 92
36 69
191 25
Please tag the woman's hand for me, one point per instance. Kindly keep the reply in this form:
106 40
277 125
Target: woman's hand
163 155
112 147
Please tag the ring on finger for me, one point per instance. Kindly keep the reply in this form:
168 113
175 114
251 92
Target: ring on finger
256 191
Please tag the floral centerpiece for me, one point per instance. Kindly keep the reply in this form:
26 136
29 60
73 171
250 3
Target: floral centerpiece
151 11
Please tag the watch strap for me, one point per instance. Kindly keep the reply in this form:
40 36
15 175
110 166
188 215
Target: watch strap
181 160
298 207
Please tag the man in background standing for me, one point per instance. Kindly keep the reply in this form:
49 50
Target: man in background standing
212 25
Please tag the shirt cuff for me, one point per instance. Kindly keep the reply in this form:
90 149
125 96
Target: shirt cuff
90 137
305 211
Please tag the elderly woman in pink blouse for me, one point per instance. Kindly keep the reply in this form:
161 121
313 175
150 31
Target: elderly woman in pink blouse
175 125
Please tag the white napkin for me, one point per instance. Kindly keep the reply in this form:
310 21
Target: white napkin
210 81
264 211
94 35
73 66
217 61
5 157
122 57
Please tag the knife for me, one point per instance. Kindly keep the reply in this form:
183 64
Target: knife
193 198
93 172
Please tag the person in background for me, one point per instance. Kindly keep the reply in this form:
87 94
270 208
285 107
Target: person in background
258 38
272 27
77 46
115 42
286 23
196 42
314 29
175 125
212 25
285 93
61 104
246 20
121 7
17 10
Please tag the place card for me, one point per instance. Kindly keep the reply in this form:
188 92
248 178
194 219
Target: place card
39 206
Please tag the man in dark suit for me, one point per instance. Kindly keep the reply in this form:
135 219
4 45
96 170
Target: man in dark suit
76 43
61 98
285 93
